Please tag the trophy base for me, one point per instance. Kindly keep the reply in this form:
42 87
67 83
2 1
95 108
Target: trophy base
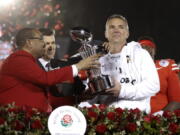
99 84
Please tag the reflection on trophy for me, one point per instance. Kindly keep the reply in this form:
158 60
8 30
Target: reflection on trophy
97 82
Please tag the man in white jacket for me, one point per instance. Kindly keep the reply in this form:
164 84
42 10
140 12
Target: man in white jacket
132 68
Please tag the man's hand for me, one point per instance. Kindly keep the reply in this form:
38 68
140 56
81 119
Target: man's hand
107 46
112 48
115 90
90 62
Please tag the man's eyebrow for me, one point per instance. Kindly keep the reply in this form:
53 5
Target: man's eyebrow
49 42
117 25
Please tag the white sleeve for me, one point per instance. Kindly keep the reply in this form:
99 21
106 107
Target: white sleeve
158 113
149 84
75 70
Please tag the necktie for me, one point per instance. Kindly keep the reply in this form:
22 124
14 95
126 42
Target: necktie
48 67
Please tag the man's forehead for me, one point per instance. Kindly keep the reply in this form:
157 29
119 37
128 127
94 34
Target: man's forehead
49 37
116 20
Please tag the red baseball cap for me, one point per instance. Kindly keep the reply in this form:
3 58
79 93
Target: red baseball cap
147 43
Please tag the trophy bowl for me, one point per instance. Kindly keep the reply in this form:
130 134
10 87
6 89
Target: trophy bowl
80 34
97 82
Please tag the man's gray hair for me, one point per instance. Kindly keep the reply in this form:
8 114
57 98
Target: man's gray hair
117 16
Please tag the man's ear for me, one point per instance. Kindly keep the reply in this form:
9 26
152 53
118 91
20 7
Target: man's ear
127 35
28 44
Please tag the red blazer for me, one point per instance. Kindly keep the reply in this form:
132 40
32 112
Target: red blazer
22 81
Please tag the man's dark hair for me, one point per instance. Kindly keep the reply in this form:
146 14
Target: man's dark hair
23 35
47 32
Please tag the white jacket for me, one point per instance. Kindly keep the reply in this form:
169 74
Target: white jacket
134 68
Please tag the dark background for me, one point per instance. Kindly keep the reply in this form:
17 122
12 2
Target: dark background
158 19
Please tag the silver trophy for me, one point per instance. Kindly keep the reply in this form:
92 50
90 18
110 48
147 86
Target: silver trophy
97 81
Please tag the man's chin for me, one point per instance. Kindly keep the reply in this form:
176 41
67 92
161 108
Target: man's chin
51 57
48 58
116 41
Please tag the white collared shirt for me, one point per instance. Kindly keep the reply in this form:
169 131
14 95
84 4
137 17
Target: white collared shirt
44 63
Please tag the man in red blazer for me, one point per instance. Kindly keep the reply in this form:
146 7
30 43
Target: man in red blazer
22 80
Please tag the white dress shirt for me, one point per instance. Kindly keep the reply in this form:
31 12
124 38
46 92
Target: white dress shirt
44 63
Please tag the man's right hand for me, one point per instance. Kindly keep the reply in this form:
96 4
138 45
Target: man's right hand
90 62
115 91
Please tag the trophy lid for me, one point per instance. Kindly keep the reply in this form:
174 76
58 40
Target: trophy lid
80 34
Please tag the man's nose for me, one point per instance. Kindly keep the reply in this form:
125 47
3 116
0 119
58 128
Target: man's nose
116 29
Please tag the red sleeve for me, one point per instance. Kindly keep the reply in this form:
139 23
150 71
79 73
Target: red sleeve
26 69
173 87
174 67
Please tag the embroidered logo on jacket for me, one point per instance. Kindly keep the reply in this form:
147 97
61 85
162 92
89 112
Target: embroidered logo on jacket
164 63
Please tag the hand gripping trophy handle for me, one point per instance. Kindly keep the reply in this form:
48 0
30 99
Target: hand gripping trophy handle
97 82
